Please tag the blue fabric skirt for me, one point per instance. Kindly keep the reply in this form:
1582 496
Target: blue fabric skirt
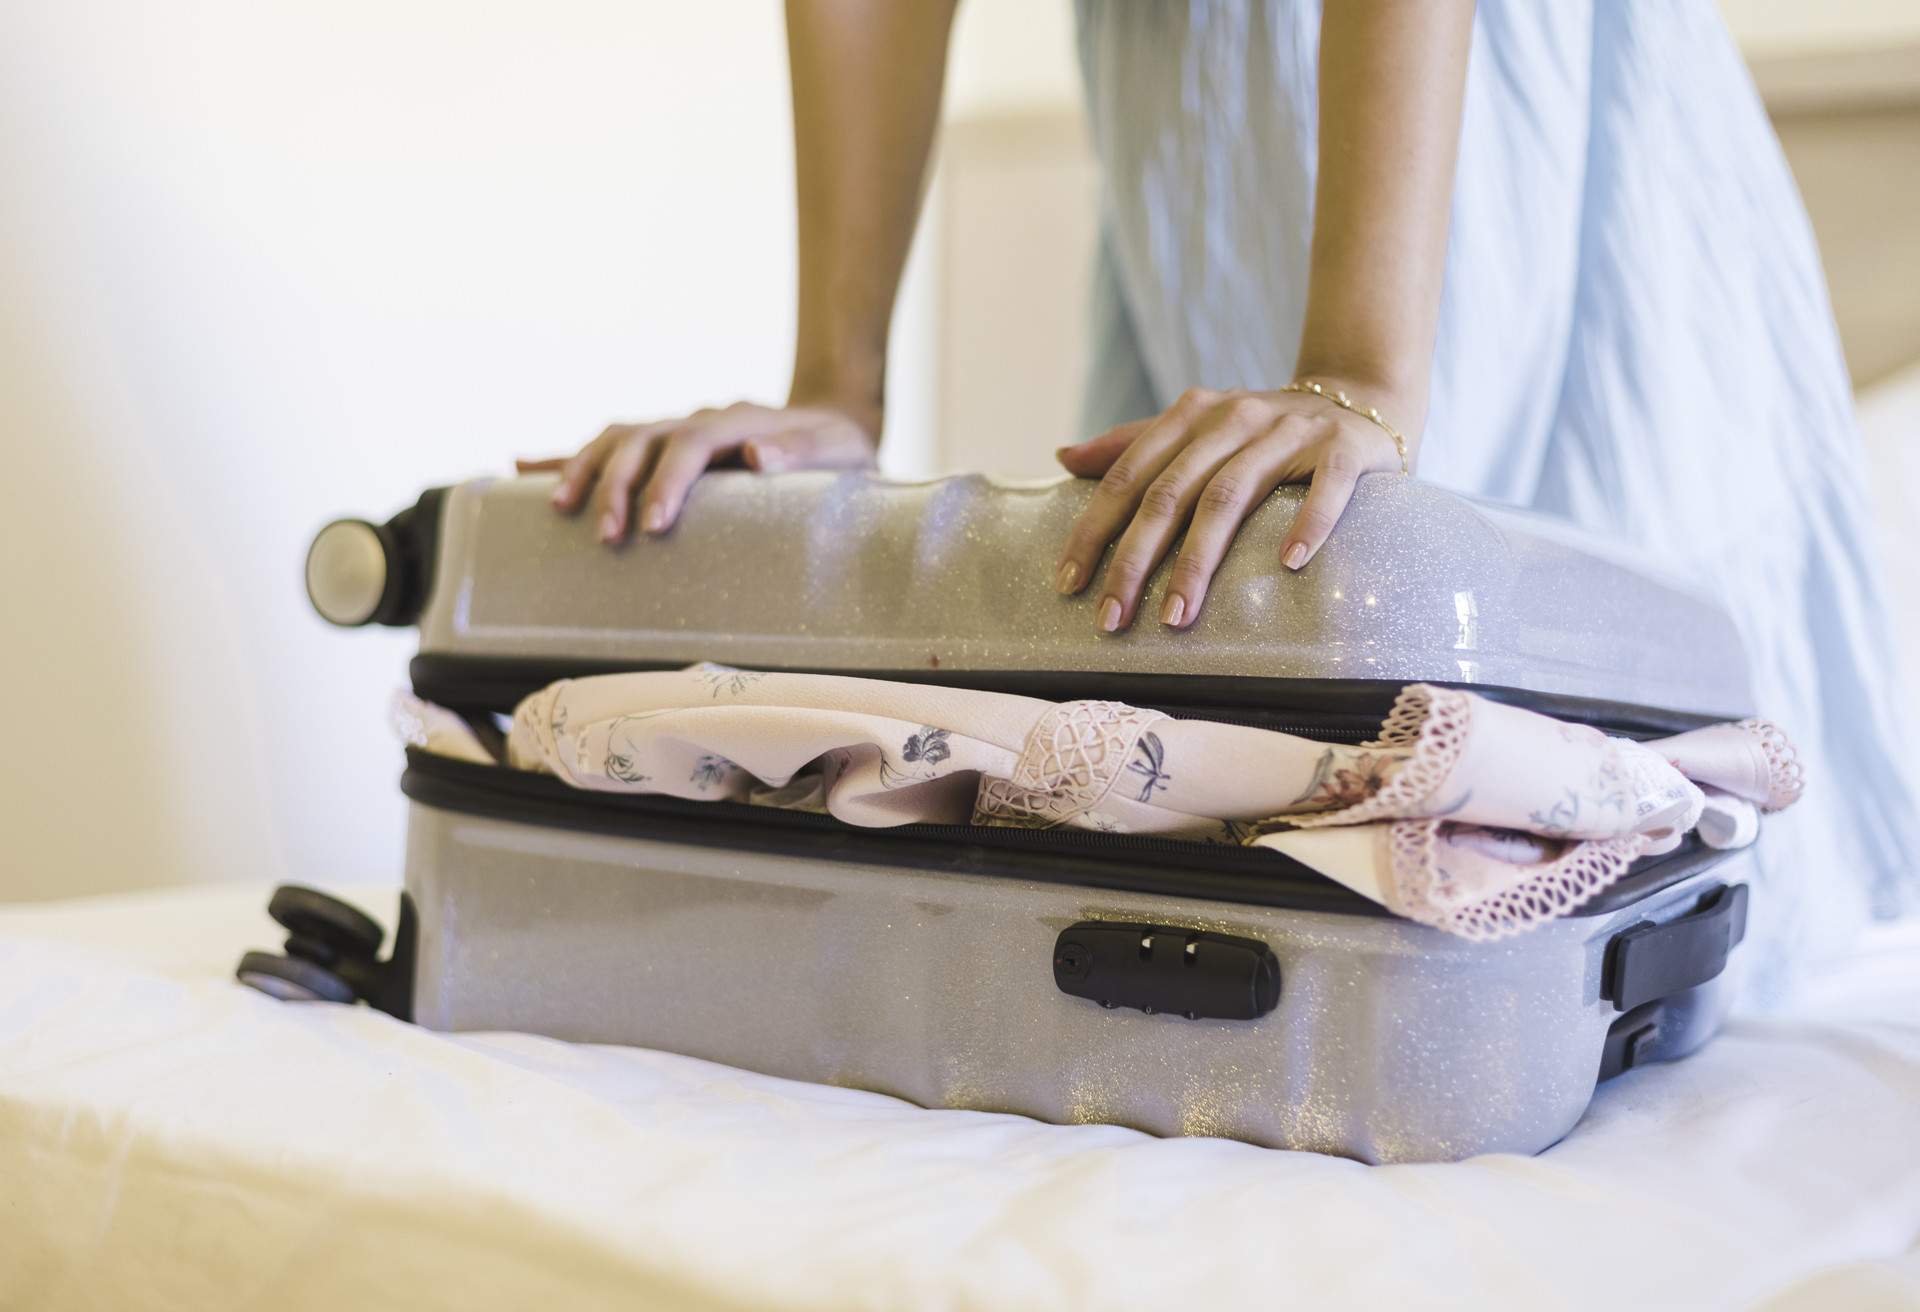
1634 334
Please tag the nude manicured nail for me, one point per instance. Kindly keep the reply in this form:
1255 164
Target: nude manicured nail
609 528
1068 578
1296 555
654 519
560 497
1174 610
1109 615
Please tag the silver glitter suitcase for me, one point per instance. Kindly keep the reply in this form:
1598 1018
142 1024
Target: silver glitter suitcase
1177 987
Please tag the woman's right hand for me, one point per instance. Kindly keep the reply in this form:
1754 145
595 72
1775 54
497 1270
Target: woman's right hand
662 460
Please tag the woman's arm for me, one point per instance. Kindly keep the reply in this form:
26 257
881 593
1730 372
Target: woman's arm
1392 77
1392 80
866 100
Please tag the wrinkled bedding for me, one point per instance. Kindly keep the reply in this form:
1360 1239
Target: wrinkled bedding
171 1139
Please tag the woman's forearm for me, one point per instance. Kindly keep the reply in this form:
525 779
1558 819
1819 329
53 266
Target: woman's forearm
866 100
1392 79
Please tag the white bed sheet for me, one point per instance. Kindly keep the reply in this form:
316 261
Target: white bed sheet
170 1139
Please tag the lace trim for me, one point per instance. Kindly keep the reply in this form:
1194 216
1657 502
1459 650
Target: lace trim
1548 893
1072 757
1786 779
1434 723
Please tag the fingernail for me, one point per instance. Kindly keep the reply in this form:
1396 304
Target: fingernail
1109 615
1175 608
1060 452
609 528
1296 555
560 497
654 519
1068 578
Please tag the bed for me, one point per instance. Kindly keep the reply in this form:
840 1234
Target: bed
171 1139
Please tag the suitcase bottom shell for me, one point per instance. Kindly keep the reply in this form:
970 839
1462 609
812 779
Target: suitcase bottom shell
1385 1041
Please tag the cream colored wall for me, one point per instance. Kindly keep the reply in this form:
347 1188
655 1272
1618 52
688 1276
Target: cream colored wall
1012 56
1773 27
1019 56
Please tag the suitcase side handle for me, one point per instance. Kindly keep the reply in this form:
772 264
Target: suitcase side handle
1646 961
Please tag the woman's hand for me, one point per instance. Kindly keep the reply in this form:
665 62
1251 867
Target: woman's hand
663 459
1204 466
1392 82
866 78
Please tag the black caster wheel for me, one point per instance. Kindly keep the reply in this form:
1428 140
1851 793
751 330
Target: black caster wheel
332 954
292 980
322 928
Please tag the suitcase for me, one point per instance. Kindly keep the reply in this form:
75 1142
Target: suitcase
1039 972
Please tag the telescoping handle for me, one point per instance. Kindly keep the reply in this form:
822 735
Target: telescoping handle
361 573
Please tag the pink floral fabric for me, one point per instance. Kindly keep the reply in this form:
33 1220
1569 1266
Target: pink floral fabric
1466 814
1500 818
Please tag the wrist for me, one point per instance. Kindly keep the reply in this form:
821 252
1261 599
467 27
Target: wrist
858 394
1399 395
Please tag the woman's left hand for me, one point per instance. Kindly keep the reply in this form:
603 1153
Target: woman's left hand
1204 466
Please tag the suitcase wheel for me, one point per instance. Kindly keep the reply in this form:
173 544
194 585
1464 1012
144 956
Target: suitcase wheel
324 928
332 954
292 980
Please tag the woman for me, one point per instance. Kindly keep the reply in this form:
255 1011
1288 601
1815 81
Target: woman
1550 252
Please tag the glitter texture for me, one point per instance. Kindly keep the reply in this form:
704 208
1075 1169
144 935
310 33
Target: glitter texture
1391 1042
853 572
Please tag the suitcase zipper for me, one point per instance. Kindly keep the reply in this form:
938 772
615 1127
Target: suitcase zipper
1130 863
1337 710
1334 710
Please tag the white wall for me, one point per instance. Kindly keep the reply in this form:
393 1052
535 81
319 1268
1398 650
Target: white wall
261 264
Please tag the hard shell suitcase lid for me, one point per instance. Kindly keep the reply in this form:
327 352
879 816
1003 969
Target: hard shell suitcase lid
854 572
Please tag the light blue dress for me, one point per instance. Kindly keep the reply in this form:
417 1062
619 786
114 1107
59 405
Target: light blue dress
1634 334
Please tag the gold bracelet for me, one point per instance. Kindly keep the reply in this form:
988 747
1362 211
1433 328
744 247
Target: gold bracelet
1340 399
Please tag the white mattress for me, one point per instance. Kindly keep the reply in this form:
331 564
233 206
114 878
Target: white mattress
170 1139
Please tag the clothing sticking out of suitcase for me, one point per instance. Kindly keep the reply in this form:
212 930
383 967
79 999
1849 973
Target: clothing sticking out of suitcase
966 967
